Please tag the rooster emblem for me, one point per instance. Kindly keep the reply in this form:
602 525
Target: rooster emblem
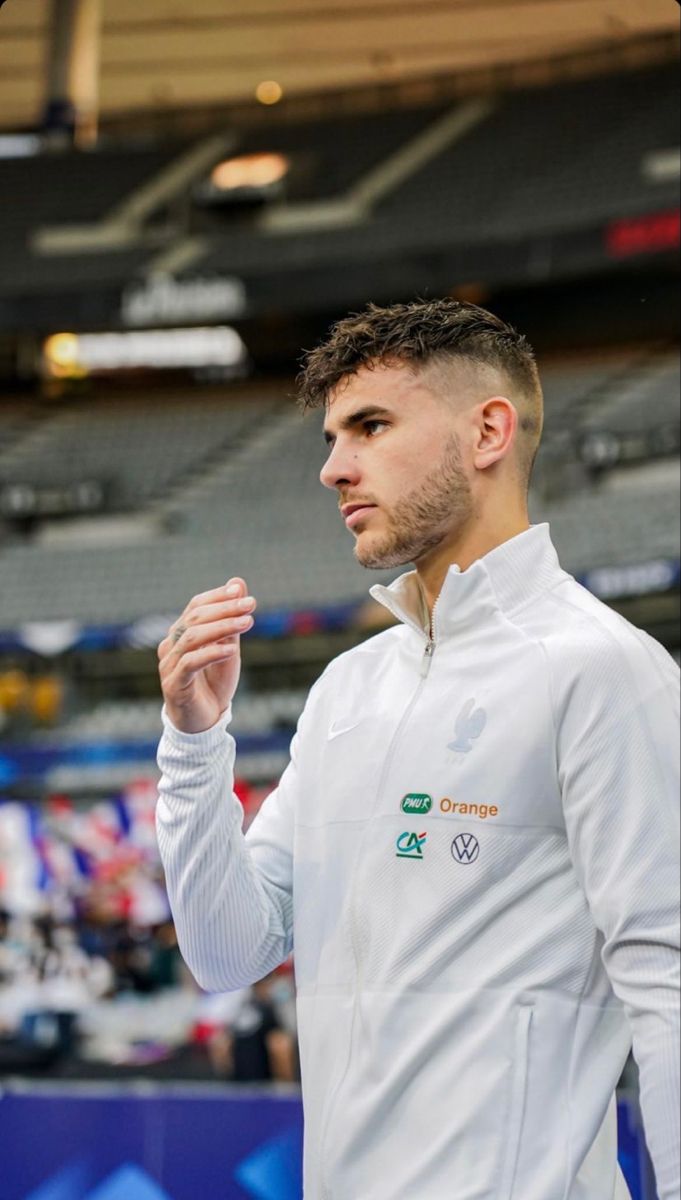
469 725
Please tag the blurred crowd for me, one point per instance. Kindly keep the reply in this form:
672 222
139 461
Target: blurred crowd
91 979
99 997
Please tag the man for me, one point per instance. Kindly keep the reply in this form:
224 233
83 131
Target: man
474 849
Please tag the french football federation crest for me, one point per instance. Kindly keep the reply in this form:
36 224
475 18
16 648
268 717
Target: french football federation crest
469 725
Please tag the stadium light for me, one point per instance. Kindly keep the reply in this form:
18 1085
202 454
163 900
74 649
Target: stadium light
269 92
246 179
20 145
250 171
61 357
662 166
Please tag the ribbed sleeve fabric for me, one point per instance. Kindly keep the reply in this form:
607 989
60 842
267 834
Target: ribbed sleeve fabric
618 751
233 921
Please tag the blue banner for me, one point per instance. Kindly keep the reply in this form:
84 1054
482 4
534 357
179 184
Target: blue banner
19 764
96 1142
49 638
173 1145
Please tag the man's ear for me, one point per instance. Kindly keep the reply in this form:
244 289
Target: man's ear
496 426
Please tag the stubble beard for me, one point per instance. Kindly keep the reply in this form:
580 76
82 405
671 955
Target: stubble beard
422 519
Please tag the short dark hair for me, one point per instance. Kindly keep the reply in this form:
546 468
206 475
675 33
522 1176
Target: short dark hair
421 333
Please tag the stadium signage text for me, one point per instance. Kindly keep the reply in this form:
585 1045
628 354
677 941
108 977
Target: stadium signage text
633 579
75 356
163 300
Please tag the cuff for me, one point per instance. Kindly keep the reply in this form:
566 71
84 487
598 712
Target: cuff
207 739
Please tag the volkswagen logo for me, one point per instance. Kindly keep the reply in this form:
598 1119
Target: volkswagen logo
465 848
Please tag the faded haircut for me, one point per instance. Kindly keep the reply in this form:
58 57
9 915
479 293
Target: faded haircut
425 333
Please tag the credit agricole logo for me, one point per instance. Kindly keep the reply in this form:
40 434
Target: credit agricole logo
417 802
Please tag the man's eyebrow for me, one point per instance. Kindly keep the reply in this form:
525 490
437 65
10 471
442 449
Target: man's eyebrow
356 418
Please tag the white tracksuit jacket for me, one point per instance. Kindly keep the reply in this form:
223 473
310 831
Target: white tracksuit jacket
475 852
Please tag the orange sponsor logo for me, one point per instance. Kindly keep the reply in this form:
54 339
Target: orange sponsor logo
461 809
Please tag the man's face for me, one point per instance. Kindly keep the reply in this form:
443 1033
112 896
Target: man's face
396 458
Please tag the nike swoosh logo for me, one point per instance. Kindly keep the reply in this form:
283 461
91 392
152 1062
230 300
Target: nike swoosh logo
337 728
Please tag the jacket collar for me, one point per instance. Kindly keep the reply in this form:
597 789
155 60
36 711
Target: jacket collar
502 580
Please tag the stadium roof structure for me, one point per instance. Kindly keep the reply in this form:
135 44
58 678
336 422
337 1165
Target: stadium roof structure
397 204
160 56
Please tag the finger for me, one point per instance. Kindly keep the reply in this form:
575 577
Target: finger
209 606
210 613
237 582
226 589
177 654
199 635
195 661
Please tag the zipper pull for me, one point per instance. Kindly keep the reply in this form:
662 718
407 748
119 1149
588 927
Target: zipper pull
427 657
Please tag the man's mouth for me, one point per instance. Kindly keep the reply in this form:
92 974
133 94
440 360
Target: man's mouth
354 513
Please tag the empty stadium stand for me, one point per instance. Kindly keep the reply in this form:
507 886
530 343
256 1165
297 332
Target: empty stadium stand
624 390
231 486
643 399
569 157
620 408
71 188
609 525
137 447
17 417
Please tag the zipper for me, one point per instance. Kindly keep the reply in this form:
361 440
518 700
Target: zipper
426 660
431 643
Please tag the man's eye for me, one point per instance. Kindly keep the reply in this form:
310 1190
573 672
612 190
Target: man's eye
373 426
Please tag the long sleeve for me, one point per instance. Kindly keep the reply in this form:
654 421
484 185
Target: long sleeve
618 759
231 901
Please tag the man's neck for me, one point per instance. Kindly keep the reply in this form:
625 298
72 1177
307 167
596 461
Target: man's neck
464 548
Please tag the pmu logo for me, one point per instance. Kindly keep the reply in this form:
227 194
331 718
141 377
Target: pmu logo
465 848
417 802
410 845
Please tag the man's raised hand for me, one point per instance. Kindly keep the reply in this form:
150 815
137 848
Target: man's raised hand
200 657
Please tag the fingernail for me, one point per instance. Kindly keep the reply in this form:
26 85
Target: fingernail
233 590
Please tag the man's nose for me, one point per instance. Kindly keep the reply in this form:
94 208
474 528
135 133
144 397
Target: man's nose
341 468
